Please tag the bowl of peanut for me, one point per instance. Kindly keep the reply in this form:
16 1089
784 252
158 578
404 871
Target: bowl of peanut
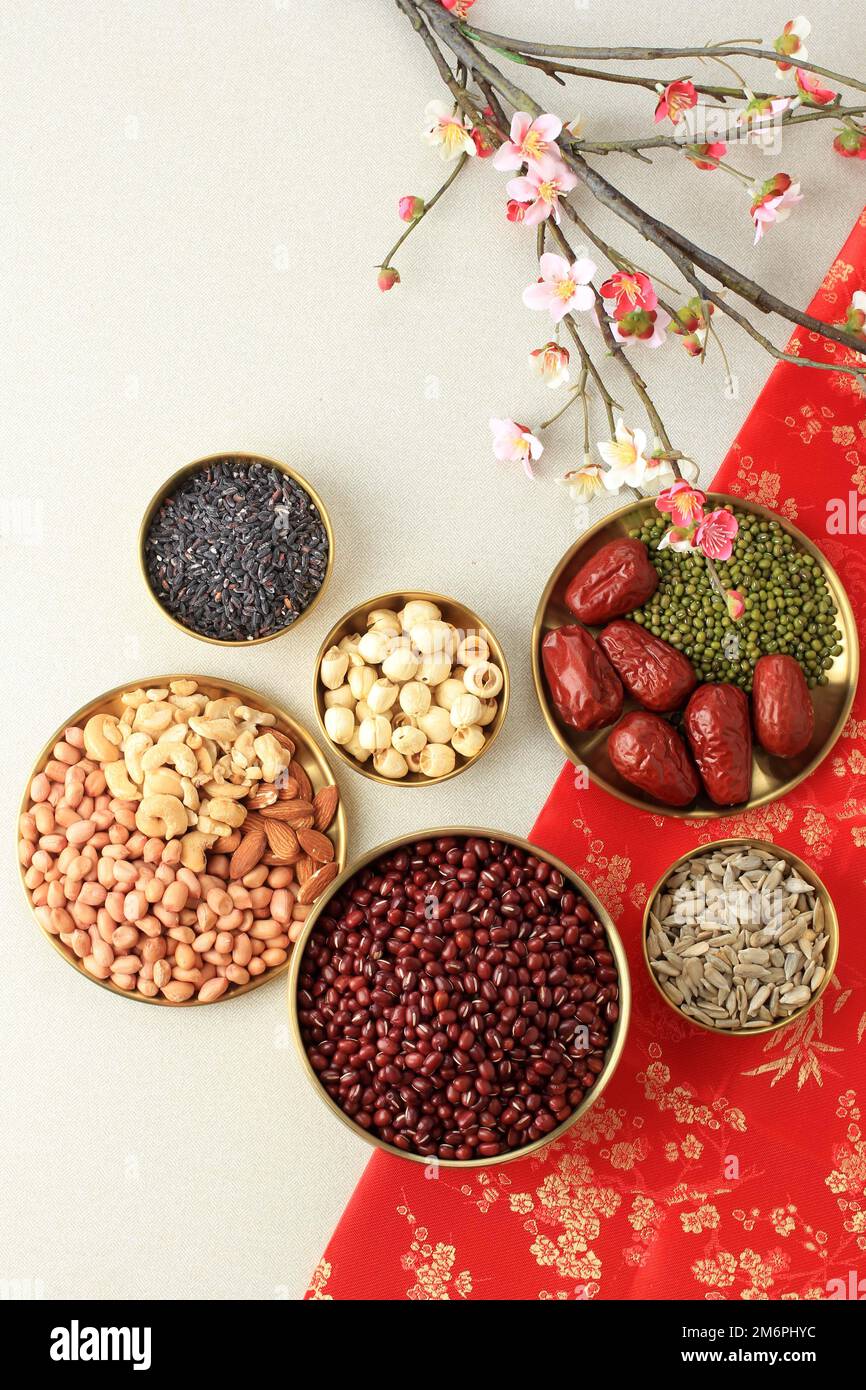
174 836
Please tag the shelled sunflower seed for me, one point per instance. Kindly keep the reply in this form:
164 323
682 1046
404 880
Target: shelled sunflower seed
737 939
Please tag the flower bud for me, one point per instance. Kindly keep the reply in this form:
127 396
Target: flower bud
410 208
388 277
736 604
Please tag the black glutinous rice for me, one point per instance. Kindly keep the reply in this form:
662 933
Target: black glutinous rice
238 551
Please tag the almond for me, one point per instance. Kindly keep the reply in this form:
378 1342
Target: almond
305 786
305 868
296 813
316 885
325 804
264 795
284 740
288 788
281 838
254 821
248 853
316 845
276 861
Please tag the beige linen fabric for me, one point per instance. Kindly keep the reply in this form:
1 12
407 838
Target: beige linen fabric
196 198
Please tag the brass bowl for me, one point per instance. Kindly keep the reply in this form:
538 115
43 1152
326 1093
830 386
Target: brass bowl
831 926
771 777
172 484
617 950
452 612
307 753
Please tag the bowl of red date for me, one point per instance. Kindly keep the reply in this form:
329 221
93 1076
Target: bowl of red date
657 692
459 997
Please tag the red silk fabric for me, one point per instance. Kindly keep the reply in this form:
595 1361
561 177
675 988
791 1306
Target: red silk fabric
711 1167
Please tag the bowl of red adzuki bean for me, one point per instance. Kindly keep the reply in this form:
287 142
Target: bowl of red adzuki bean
459 997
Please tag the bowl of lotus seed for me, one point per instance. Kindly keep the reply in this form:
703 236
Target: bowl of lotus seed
410 688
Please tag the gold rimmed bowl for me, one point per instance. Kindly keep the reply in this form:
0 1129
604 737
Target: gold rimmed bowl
829 925
461 617
614 945
772 777
171 486
307 753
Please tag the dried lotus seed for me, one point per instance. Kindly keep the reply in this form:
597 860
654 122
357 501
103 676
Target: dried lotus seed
408 739
357 749
436 724
450 690
390 763
465 710
360 679
432 637
488 712
437 760
472 648
434 669
375 733
334 666
374 647
482 678
415 698
468 740
381 696
384 620
339 723
401 665
341 696
418 611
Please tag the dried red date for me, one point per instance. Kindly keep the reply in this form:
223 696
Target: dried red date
720 737
618 577
651 670
782 706
584 687
649 754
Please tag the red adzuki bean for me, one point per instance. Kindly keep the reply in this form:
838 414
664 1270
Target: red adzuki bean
458 998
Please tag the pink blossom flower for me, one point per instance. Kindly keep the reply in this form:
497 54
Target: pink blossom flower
410 208
736 604
625 456
682 502
445 130
790 42
715 534
674 100
584 482
850 143
541 187
811 91
514 443
388 277
515 211
550 363
772 202
647 326
482 141
680 538
530 140
563 287
460 8
698 154
628 290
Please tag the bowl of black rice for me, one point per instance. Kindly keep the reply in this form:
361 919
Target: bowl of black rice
236 549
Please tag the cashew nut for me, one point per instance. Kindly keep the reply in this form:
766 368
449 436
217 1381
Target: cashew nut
133 698
154 718
223 809
243 752
119 784
226 789
157 695
222 709
164 781
102 738
175 755
162 816
189 794
272 756
192 848
184 688
255 716
134 746
223 731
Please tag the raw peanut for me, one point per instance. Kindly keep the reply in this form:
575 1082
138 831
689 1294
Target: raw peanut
782 706
65 753
213 989
273 958
178 991
127 965
161 973
316 845
61 921
295 931
219 902
43 816
40 788
257 966
282 839
175 896
153 950
237 975
135 906
281 905
242 949
147 988
281 876
325 804
102 952
204 942
81 943
247 854
124 938
224 943
74 736
185 935
125 982
92 966
310 891
256 877
185 957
